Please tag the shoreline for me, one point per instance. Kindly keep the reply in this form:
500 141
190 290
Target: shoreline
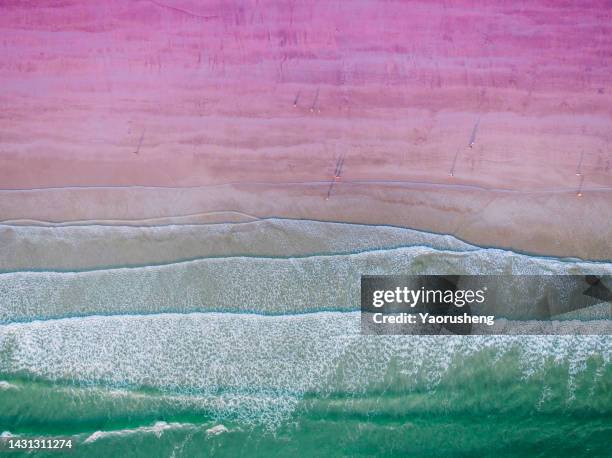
548 225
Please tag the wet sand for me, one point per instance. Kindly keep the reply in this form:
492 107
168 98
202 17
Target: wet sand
558 224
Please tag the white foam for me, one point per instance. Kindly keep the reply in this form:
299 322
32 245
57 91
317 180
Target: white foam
157 429
216 430
7 386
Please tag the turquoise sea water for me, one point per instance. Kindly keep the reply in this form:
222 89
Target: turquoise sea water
488 403
255 356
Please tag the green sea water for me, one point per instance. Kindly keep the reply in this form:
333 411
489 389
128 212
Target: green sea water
484 405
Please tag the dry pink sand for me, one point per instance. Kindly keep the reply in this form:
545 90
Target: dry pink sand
266 95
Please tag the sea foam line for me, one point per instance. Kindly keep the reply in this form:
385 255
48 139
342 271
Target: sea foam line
158 428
